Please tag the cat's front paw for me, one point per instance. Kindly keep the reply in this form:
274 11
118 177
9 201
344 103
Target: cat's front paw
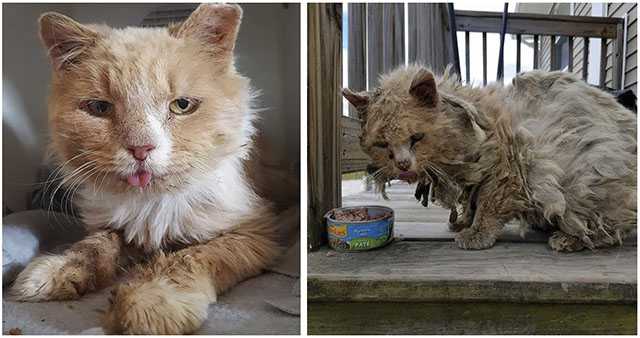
156 307
457 226
52 277
472 239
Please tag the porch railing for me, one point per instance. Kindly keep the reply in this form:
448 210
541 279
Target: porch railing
377 44
609 30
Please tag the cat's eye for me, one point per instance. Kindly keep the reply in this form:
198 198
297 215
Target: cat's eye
184 105
415 138
96 107
381 144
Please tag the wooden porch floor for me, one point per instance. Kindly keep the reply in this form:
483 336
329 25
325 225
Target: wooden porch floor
415 222
457 288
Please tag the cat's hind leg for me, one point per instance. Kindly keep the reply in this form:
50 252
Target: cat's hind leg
87 265
171 294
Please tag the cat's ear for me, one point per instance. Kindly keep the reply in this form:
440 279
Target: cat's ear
423 88
65 39
360 101
215 25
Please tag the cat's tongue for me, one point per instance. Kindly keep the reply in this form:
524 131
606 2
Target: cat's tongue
140 179
409 176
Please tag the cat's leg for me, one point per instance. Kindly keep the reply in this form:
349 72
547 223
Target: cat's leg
87 265
465 219
460 221
171 295
453 218
490 217
563 242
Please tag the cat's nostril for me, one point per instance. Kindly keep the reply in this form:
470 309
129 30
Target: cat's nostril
141 153
403 165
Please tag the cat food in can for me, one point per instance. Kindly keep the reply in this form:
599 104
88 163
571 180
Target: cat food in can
359 228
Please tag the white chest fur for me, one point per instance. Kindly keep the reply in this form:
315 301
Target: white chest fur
207 206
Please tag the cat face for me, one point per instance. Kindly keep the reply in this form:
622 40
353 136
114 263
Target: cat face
146 108
407 128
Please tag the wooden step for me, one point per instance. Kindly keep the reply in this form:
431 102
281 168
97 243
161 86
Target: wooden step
432 287
439 271
358 318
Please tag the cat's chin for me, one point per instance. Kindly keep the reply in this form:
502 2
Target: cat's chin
408 176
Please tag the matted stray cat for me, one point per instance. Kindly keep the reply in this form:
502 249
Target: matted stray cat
548 150
154 127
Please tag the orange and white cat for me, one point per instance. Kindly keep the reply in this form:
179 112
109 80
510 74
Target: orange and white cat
153 130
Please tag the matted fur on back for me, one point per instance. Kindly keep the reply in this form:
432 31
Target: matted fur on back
584 147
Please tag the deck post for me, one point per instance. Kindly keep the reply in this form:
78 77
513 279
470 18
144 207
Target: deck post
324 109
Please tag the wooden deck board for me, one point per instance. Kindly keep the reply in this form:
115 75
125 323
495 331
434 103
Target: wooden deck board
439 271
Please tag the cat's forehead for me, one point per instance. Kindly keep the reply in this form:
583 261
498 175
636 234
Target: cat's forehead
387 126
389 120
133 43
139 62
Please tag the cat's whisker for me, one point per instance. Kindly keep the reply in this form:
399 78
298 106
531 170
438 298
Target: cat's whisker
58 170
78 185
67 197
74 173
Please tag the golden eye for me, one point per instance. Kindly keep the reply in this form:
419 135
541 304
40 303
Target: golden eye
184 105
96 107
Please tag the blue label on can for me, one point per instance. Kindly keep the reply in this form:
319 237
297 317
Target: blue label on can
359 236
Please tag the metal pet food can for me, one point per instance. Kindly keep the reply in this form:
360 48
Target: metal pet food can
361 235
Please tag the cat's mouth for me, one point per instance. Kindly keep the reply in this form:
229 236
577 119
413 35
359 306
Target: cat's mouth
408 176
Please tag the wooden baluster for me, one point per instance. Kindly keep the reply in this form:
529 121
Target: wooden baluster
484 58
375 44
467 56
553 62
518 41
570 54
585 59
535 52
357 51
603 62
618 57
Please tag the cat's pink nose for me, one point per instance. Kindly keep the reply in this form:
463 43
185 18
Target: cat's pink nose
140 153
